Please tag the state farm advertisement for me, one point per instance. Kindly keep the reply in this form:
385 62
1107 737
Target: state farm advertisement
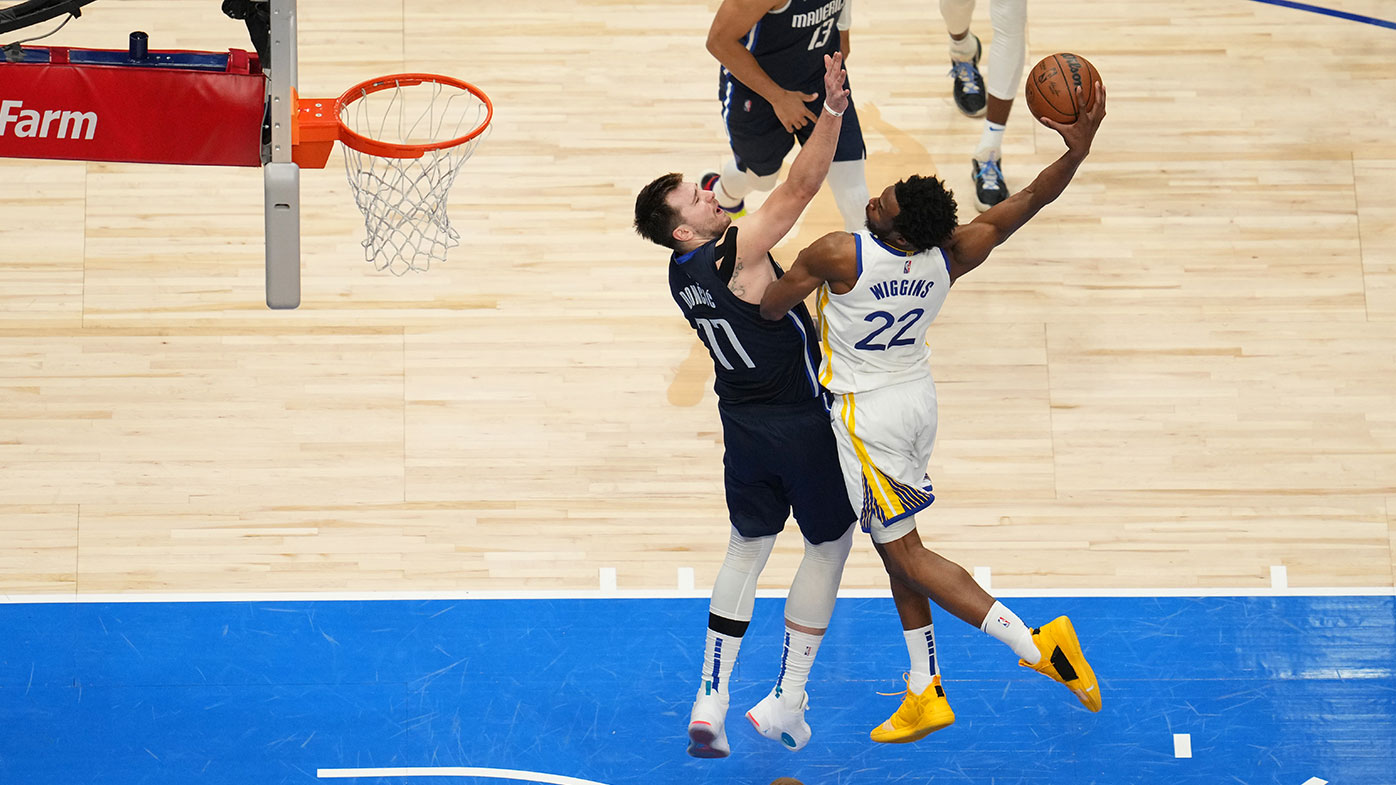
140 115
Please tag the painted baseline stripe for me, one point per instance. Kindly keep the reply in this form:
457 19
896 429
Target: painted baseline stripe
454 771
1351 17
669 594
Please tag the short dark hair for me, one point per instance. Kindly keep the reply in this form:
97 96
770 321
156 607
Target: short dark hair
927 212
655 219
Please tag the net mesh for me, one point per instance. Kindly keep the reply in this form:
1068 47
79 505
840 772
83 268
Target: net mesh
403 200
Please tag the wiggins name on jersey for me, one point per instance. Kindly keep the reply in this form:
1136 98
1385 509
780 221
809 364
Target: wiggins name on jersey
874 335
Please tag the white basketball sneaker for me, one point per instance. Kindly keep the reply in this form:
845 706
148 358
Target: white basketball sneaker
773 720
707 738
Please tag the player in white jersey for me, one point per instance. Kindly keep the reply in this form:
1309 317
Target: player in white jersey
878 291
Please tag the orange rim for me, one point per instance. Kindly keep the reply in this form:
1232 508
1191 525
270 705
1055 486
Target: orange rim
364 144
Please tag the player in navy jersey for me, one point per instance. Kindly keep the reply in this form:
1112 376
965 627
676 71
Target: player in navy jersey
770 85
780 453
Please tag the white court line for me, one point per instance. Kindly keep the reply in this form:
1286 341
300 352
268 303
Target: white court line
984 578
1279 576
608 579
1182 745
655 594
1315 781
454 771
685 579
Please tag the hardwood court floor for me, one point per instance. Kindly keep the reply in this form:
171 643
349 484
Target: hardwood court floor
1179 375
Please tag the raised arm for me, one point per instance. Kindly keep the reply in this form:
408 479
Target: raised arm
763 228
832 258
734 19
972 242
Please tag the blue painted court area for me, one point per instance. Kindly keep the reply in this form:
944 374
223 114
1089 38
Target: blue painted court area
1268 689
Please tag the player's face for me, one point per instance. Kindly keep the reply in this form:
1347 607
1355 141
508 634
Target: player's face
699 210
881 210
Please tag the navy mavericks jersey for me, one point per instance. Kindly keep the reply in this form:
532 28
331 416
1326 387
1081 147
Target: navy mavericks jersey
790 44
757 360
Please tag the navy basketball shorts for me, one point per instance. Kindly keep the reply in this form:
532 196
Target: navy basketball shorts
779 458
760 143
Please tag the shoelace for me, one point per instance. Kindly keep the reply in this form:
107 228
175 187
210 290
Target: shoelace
906 677
967 75
990 174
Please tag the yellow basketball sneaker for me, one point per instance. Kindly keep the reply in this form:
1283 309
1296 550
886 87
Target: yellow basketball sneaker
920 715
1063 661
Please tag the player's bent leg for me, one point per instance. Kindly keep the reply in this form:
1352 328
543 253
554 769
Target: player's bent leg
924 708
946 583
1061 659
729 613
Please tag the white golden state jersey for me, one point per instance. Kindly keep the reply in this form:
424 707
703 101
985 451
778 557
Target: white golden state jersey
874 335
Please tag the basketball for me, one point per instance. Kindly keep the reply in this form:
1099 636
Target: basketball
1051 87
786 781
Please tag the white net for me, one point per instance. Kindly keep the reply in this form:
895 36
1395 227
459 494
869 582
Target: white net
403 200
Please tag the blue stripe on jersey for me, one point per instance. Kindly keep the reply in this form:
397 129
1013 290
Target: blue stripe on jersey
946 257
809 368
753 35
890 249
858 252
681 259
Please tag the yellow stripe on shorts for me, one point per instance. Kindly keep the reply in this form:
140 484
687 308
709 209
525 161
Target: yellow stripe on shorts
828 373
884 496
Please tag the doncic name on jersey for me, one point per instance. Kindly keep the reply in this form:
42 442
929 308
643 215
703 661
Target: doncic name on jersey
695 295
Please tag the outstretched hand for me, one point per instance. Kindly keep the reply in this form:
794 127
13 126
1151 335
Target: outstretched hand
1079 134
835 94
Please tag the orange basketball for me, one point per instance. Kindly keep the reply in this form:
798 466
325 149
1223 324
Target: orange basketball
786 781
1051 87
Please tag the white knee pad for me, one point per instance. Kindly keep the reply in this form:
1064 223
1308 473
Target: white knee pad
1003 74
957 14
816 585
849 182
734 590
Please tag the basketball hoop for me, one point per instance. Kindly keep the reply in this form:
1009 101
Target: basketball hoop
405 137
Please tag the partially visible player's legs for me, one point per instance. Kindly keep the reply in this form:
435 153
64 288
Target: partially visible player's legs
847 177
924 709
849 183
965 50
732 185
781 714
759 143
729 614
1005 72
1051 649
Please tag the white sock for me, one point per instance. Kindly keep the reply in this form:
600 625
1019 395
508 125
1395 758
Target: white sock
1004 625
964 48
719 656
990 142
921 645
795 662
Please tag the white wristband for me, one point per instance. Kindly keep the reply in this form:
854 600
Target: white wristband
830 110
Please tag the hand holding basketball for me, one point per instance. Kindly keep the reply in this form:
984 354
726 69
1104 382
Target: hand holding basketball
1053 85
1079 134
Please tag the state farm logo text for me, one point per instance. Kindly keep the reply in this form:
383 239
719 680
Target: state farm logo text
48 124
